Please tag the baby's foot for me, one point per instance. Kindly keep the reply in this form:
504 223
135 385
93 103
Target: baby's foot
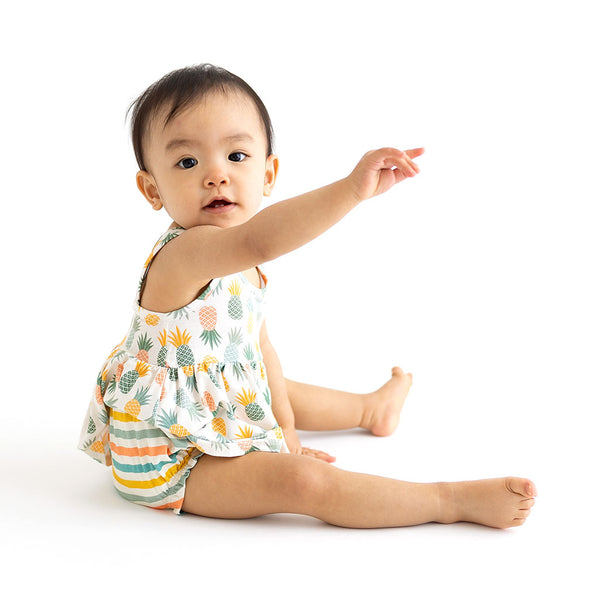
382 408
501 503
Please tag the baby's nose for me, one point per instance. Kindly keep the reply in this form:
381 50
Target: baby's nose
216 178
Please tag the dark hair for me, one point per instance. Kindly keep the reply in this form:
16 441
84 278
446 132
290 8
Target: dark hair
181 88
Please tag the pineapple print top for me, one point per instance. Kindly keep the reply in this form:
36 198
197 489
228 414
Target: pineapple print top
179 385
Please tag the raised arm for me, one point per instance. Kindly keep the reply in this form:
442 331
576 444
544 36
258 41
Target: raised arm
202 253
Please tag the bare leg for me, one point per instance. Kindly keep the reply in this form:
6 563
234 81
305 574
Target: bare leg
263 483
323 409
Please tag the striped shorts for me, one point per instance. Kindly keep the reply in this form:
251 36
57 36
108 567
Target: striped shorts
148 468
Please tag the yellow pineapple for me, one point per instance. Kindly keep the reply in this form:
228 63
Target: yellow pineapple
208 360
219 426
169 421
152 319
141 398
97 446
225 382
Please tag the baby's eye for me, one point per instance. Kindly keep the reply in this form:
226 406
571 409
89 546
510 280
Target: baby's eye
187 163
237 156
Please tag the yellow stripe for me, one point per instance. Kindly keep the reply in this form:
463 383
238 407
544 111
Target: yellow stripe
152 483
123 417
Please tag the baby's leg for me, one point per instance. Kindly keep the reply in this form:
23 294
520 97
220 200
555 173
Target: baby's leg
323 409
262 483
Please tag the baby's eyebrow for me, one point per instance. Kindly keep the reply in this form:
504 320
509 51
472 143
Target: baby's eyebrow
176 143
239 137
235 137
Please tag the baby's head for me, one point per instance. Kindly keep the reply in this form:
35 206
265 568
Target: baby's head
203 138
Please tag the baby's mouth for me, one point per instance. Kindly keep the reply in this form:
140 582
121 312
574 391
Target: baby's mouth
218 202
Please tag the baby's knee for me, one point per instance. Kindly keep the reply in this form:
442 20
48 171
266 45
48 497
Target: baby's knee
307 479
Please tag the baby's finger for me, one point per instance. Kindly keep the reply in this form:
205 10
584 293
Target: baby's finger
318 454
414 152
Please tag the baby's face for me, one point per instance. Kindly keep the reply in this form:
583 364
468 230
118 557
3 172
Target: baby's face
208 166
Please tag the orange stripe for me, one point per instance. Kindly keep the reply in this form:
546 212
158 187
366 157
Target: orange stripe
144 451
177 504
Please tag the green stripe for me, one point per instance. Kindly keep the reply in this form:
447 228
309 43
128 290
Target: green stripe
142 468
133 434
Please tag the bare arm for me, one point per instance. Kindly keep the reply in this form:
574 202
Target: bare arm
282 408
202 253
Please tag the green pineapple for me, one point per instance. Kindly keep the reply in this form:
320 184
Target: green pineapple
162 353
248 353
248 400
183 400
184 354
232 352
91 426
135 327
234 307
129 378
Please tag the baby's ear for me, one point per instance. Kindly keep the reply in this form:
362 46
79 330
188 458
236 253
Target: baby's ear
271 169
149 189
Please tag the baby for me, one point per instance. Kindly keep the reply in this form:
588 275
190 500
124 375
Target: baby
191 409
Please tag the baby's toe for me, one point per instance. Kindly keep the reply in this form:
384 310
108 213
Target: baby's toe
520 486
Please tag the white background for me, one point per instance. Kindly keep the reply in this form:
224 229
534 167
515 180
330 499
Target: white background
480 277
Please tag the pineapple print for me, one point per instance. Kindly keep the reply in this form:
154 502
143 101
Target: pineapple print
162 353
184 354
183 400
209 401
248 353
152 320
208 320
101 386
169 421
91 426
144 346
231 352
204 366
135 327
219 426
244 436
141 398
128 379
248 400
234 307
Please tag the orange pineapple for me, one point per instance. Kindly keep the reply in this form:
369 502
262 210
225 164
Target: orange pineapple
245 438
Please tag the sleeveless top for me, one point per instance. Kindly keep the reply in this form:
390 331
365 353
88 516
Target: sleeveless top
181 384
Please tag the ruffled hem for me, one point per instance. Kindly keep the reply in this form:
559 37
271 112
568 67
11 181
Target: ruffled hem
222 409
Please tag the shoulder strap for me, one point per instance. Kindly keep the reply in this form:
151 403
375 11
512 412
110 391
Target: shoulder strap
164 239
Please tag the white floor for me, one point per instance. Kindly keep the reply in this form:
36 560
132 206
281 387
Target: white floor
64 527
480 276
